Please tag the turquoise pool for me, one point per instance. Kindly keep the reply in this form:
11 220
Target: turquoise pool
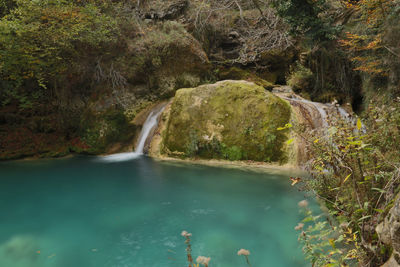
84 212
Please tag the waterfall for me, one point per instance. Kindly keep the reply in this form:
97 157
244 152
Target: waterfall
310 107
322 111
149 125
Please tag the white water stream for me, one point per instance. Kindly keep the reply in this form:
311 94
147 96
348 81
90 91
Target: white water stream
319 107
149 125
322 111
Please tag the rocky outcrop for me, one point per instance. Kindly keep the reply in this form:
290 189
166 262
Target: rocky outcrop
235 120
389 233
167 11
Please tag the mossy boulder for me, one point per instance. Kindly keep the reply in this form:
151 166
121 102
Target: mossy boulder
235 120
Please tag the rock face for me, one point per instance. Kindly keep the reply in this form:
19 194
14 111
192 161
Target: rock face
235 120
389 233
168 10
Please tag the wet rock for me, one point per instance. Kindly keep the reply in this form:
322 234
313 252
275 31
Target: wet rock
389 232
20 251
170 12
174 10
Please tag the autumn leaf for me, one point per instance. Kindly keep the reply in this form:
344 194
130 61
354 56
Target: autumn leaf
359 124
295 180
347 178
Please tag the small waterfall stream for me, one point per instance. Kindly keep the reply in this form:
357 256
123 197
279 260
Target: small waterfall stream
149 125
314 115
309 105
322 111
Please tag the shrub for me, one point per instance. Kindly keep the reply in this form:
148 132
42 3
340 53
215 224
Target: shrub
232 153
301 78
40 39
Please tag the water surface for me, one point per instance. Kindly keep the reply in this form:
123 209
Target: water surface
84 212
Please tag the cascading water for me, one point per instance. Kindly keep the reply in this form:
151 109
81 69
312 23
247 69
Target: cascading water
316 110
323 109
149 125
315 116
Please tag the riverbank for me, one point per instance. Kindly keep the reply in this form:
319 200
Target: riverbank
254 166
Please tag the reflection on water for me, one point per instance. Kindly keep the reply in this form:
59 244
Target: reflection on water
83 212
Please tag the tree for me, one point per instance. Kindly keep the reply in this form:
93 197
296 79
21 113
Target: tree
369 48
307 18
40 39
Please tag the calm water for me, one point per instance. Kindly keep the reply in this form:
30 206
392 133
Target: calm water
83 212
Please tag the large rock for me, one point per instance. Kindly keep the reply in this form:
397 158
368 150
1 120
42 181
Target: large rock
389 233
229 119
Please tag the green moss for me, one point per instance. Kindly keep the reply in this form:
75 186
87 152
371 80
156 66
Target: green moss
271 77
232 153
230 119
240 74
132 111
101 130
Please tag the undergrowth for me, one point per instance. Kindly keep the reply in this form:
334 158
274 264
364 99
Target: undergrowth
355 170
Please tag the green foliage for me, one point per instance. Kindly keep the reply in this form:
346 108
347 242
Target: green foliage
159 42
383 120
192 147
6 6
232 153
301 78
307 18
325 244
318 25
106 128
41 39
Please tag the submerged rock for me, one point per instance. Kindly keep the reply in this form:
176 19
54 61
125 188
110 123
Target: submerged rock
20 251
235 120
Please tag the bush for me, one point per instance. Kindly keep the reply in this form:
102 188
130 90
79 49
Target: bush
39 40
301 78
232 153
